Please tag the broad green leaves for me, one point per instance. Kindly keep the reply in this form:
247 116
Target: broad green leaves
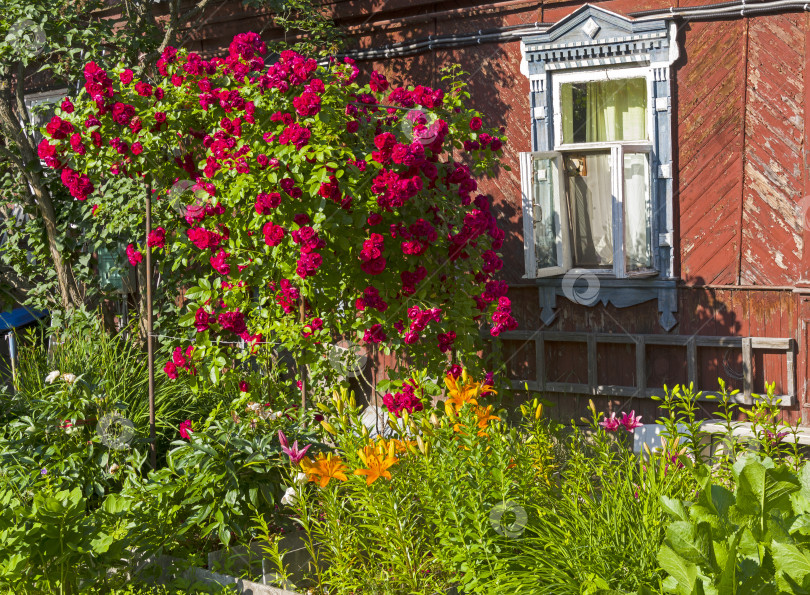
751 540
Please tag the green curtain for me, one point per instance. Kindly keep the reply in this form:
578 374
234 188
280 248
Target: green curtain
613 111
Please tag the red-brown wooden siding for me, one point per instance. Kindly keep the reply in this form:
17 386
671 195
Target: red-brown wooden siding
739 115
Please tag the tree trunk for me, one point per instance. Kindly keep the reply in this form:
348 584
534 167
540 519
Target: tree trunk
69 294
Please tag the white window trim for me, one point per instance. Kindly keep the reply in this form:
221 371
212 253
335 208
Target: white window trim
590 76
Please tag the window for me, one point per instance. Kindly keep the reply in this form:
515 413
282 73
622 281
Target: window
591 198
41 108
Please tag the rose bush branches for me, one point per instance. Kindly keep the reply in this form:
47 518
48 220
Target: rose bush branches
312 206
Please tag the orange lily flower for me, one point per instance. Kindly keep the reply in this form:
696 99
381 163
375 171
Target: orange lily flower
324 468
464 390
376 462
484 416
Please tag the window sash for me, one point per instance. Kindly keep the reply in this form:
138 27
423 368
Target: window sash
53 98
551 221
619 233
558 200
587 76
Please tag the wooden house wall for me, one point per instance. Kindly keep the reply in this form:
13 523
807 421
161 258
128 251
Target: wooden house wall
741 175
739 112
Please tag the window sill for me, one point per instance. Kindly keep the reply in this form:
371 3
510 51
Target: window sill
621 293
607 278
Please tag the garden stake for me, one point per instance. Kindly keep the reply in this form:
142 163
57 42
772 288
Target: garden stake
150 346
302 316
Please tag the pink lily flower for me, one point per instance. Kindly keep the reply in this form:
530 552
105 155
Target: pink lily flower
630 422
611 424
185 429
294 453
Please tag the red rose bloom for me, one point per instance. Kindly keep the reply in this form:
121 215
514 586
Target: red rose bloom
171 370
157 238
201 320
133 255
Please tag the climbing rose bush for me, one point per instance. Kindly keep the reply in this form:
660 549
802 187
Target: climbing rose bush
301 205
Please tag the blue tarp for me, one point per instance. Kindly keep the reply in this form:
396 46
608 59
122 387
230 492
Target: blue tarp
19 317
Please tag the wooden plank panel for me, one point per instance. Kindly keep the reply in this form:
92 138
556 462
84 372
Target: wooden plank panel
774 125
708 91
772 361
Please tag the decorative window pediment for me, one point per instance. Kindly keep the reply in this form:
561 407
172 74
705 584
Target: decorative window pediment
597 185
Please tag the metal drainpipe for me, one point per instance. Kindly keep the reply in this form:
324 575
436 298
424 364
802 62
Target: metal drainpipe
445 14
706 12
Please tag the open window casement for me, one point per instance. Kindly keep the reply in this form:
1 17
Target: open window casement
635 207
41 107
588 209
545 218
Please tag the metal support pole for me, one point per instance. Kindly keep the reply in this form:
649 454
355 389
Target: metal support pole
302 368
12 352
150 346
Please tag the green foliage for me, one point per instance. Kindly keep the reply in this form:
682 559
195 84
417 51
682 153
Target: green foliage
488 508
213 484
51 541
599 526
753 539
75 502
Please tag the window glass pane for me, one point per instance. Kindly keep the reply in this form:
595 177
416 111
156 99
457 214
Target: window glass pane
590 202
604 111
637 212
546 219
40 111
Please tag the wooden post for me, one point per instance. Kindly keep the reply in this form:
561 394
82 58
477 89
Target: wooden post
302 369
150 340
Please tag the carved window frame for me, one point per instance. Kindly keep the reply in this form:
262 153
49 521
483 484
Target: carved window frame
591 40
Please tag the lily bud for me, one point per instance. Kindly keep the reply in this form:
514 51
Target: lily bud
434 420
413 427
405 416
421 444
322 407
352 400
328 427
448 409
538 413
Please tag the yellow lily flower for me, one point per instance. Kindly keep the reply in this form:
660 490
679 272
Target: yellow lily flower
324 468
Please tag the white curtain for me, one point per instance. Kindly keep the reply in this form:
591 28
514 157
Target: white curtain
637 211
591 215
